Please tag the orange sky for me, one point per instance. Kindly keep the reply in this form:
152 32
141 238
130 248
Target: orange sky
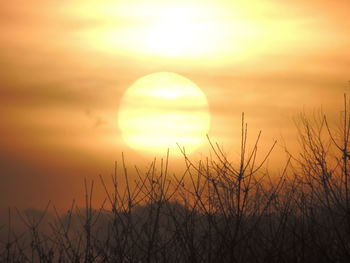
64 66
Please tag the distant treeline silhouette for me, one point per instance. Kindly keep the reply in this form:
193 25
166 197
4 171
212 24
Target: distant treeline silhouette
219 210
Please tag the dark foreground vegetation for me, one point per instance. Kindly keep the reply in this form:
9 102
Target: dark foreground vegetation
219 210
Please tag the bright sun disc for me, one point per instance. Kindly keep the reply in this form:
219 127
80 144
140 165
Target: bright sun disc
162 110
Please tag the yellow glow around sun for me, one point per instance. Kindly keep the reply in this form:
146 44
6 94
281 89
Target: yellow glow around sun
162 109
189 29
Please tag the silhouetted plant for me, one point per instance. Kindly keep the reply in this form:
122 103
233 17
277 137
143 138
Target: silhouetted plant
218 210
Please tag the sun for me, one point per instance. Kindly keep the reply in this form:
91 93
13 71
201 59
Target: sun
161 111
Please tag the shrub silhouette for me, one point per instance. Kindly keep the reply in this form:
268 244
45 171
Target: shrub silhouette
215 212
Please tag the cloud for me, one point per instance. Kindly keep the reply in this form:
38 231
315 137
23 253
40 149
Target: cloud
60 95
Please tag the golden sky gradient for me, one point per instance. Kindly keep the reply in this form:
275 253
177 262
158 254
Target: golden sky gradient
64 66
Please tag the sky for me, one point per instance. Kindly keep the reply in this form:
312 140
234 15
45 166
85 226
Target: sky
65 65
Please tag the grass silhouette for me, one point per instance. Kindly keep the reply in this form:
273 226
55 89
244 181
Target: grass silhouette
214 212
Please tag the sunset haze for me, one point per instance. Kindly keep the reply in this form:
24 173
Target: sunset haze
66 65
